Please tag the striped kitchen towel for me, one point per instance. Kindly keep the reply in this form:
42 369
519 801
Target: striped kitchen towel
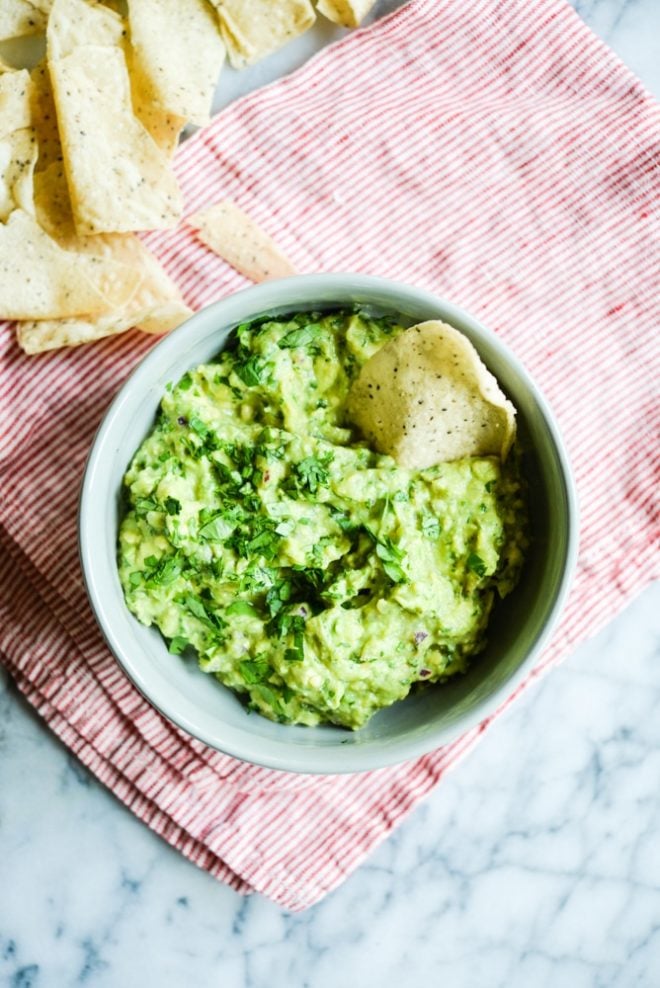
493 151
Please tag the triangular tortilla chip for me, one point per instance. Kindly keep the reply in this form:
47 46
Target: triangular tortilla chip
163 128
18 154
179 53
118 178
427 397
234 236
43 117
349 13
19 18
40 280
155 307
53 334
15 93
74 24
253 28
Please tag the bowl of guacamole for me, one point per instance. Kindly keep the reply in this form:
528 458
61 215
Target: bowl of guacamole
283 589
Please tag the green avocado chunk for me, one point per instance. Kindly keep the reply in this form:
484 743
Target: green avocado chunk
307 571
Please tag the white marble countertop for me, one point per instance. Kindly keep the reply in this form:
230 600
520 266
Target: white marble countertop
536 863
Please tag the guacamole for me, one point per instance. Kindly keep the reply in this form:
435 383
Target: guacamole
309 573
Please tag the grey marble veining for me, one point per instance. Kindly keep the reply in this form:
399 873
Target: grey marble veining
535 864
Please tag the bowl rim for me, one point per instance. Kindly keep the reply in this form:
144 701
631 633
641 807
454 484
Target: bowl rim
308 759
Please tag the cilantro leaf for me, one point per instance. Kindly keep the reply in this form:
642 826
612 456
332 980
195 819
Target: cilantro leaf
311 473
269 697
300 337
195 607
198 426
254 670
144 505
251 371
431 528
476 564
216 529
172 506
177 645
243 607
198 610
278 595
344 521
390 556
164 571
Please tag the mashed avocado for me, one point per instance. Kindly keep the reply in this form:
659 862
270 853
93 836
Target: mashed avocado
311 574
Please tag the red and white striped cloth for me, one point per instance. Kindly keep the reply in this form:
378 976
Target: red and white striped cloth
493 151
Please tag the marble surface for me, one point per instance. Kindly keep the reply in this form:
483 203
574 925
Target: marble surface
536 863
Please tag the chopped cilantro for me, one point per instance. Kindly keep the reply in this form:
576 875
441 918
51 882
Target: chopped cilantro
254 670
177 645
390 556
300 337
269 697
172 506
163 572
311 472
431 527
198 610
242 607
185 383
145 504
344 521
251 371
278 595
198 426
476 564
216 529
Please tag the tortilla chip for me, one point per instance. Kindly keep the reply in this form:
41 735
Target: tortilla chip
54 215
157 295
15 94
40 280
18 155
155 307
254 28
163 128
179 52
43 117
237 239
118 178
74 24
349 13
52 207
426 397
164 317
53 334
19 18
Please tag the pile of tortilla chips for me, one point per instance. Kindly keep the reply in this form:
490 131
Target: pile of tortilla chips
86 141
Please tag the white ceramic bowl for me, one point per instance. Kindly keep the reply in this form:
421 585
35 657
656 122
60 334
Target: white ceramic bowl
213 714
